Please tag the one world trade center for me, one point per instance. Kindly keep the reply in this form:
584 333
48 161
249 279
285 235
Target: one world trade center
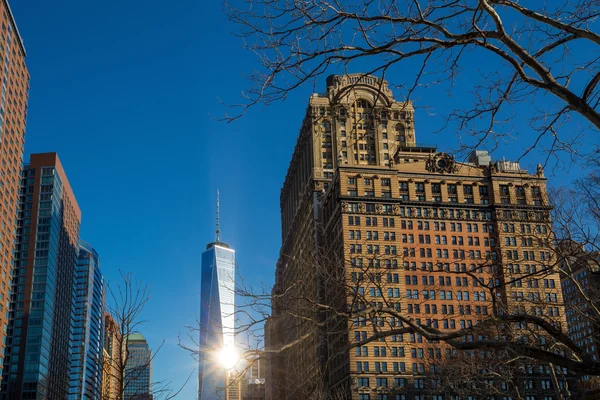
217 320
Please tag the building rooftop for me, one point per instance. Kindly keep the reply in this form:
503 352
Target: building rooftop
136 337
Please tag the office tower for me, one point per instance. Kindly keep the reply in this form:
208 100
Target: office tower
39 345
138 369
113 357
217 319
253 385
88 326
374 220
13 114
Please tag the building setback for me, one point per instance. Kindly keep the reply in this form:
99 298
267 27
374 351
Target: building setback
88 326
39 343
371 218
13 113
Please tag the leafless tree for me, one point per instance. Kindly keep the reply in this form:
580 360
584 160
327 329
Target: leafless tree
122 368
537 61
514 334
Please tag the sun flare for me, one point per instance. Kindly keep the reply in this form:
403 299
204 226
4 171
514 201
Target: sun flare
228 357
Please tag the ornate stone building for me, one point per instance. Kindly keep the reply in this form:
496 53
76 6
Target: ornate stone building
380 230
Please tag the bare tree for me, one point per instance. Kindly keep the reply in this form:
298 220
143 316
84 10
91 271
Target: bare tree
543 55
514 335
123 366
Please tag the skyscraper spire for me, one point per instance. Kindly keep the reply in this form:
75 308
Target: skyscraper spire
218 219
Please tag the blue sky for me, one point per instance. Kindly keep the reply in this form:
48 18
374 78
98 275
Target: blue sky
124 92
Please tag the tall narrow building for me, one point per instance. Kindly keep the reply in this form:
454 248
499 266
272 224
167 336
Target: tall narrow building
217 319
88 326
377 226
138 369
39 333
113 352
13 114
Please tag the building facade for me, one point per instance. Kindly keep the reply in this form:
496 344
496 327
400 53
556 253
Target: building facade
253 385
13 114
138 369
88 326
39 335
580 283
113 358
380 231
217 321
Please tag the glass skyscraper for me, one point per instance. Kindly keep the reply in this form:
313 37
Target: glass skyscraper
88 326
39 335
217 319
138 369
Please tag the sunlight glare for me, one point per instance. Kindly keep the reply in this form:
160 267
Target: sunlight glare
228 358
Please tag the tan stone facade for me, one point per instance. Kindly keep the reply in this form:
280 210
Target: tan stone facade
113 356
414 231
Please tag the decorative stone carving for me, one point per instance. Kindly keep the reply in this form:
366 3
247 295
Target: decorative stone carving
345 206
379 209
540 171
396 209
461 213
442 163
362 208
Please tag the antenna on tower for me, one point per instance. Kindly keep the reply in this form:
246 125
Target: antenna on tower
218 219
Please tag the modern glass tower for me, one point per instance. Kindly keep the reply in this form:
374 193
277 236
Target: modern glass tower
217 319
138 369
88 326
39 335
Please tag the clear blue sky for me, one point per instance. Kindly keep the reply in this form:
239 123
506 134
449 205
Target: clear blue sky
124 92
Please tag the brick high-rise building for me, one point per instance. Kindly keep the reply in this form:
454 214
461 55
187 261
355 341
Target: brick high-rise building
13 113
39 334
373 219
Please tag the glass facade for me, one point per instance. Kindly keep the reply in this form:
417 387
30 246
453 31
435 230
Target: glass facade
39 334
88 326
138 369
217 319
